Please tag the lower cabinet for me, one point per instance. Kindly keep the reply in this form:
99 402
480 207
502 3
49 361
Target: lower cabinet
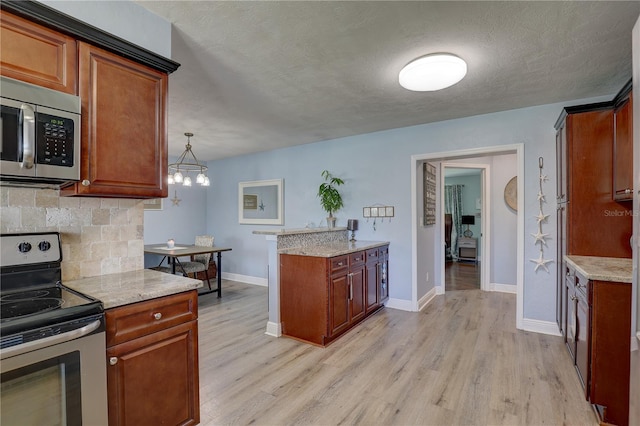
598 339
321 298
152 362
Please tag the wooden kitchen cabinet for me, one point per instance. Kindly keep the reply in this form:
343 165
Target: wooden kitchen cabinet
124 134
598 339
152 361
322 298
623 149
37 55
372 270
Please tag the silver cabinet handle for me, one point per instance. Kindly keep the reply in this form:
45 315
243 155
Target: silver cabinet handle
113 360
157 315
28 119
86 182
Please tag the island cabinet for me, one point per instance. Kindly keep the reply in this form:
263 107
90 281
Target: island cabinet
152 361
37 55
124 134
323 297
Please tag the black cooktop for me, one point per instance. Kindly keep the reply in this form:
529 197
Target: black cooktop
33 301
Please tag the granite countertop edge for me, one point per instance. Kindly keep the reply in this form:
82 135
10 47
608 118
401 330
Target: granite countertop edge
124 288
602 268
333 249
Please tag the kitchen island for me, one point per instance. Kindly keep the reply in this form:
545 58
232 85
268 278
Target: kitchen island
151 329
327 289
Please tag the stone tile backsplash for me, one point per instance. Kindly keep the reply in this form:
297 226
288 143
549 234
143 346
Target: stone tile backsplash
99 235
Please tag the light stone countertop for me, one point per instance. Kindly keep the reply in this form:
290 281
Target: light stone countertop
602 268
293 231
333 249
130 287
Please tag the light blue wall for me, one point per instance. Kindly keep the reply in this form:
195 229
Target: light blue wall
376 168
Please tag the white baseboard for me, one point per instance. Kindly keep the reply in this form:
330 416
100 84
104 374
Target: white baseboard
538 326
401 304
439 290
247 279
634 342
273 329
428 297
503 288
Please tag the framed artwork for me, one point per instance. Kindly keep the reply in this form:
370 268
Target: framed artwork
429 193
152 204
261 202
366 211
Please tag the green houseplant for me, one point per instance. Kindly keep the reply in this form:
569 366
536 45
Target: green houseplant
330 197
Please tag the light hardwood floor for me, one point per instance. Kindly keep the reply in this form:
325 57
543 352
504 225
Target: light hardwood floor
458 362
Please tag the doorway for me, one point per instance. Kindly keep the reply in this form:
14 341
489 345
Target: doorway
463 194
428 258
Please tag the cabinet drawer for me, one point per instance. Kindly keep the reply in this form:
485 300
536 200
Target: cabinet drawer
356 258
339 262
142 318
467 243
372 255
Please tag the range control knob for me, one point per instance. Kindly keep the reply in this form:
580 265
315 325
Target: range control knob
24 247
44 245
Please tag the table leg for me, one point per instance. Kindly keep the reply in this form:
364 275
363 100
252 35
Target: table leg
173 265
219 274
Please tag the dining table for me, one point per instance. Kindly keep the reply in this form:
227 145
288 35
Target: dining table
172 254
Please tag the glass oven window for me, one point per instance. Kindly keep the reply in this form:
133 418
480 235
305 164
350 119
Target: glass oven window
47 392
10 143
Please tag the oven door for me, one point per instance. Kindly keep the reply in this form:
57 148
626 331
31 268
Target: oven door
61 384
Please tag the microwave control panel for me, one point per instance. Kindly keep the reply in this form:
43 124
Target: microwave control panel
55 140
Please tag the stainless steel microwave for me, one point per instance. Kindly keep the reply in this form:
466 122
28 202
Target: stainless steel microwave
39 135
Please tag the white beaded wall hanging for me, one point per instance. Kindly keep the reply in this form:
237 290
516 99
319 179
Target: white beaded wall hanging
540 237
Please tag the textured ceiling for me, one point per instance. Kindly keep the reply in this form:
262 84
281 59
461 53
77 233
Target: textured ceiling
262 75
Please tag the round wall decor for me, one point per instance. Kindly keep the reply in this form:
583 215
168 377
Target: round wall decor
511 193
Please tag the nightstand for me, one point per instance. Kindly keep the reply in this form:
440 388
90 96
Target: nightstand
468 249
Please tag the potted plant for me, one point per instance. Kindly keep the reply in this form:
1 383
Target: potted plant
330 197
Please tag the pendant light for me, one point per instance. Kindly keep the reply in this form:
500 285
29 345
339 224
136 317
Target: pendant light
187 163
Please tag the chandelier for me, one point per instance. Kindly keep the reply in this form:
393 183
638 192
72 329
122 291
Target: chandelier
187 163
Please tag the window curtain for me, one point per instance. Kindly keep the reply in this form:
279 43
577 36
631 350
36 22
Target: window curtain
453 206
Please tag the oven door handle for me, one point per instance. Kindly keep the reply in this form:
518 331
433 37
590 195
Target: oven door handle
28 121
50 341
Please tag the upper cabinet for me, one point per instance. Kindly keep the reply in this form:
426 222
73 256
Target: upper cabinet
37 55
623 146
123 90
124 135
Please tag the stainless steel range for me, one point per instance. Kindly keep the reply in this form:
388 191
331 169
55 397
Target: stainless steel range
52 339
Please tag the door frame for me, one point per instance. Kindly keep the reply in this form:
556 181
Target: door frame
485 231
447 156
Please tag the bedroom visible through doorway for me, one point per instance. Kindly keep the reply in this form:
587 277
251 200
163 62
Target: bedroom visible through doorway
463 227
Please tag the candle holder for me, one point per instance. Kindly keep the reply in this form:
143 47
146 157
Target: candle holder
352 225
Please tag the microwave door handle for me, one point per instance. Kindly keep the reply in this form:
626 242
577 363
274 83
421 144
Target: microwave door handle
28 122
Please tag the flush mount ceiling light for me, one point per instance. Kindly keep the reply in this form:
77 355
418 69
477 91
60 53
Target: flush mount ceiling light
432 72
187 163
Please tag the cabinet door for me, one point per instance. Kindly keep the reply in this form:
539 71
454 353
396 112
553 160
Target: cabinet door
372 286
124 136
572 320
37 55
357 303
338 303
623 151
582 340
383 274
154 379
